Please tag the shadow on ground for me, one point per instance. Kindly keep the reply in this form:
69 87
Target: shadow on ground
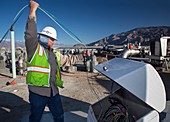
15 109
12 107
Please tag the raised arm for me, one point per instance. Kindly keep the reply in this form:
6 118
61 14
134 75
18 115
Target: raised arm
31 40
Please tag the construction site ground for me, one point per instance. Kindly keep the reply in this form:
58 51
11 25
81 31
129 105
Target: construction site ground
79 92
81 89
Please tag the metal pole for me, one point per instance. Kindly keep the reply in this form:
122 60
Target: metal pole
13 52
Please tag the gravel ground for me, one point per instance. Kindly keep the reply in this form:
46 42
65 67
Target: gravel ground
81 89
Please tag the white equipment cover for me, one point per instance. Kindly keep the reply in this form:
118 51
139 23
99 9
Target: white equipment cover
139 78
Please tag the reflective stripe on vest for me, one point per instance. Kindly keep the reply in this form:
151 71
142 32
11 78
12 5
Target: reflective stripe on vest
38 69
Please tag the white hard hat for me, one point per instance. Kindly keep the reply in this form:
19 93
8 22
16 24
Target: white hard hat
50 32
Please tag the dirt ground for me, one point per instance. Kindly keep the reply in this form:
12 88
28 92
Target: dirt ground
81 89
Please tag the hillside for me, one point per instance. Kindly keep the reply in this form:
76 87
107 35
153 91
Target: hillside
142 35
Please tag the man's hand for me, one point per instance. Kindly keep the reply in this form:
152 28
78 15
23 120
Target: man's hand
33 7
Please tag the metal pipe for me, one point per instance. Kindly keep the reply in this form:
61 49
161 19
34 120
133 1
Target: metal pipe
128 52
13 52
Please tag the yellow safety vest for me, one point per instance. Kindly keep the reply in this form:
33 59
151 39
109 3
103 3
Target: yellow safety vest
38 69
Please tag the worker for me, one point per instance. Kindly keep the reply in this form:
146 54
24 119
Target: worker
43 69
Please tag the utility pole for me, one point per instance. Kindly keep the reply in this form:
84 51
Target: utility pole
13 52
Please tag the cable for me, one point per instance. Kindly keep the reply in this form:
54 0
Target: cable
117 112
20 12
14 21
9 29
52 17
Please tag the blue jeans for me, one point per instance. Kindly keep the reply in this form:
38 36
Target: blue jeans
38 103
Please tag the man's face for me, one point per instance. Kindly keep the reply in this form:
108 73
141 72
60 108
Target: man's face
50 42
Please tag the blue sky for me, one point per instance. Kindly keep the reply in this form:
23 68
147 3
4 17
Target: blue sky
90 20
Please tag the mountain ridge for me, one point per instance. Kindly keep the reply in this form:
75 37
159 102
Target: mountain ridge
141 35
